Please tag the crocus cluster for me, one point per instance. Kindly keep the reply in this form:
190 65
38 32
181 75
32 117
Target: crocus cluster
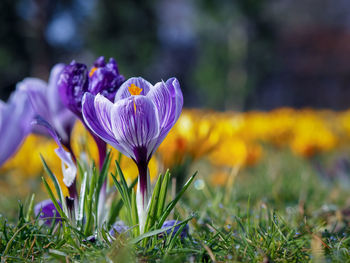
131 115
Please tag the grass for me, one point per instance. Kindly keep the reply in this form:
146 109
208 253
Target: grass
278 211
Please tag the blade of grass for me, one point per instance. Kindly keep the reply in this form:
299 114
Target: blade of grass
163 192
153 205
172 204
53 199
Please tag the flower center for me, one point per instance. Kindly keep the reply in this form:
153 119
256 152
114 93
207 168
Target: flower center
92 71
134 90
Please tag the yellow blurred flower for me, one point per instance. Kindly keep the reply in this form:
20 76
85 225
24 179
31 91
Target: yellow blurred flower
312 135
27 163
194 135
235 152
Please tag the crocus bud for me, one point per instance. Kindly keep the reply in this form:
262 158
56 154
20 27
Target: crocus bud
105 78
72 85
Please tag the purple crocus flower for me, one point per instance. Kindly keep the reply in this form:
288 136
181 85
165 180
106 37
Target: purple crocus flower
135 124
173 231
75 80
46 103
118 227
105 78
15 123
47 211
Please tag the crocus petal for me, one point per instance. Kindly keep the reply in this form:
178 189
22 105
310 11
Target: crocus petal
16 117
69 168
105 79
53 97
135 124
36 89
123 91
73 83
97 116
168 100
46 103
47 211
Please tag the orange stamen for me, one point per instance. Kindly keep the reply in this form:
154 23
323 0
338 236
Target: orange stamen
92 71
134 90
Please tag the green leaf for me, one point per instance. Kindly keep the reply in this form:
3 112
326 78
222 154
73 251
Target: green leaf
53 199
56 184
125 197
152 212
172 204
53 178
30 207
174 238
156 232
104 171
134 214
163 193
121 176
117 206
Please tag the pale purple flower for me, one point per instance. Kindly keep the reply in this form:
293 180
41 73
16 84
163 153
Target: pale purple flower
136 123
173 231
15 123
118 227
46 103
47 211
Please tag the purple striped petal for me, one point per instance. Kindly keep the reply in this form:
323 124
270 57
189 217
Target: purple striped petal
169 101
123 91
135 125
97 116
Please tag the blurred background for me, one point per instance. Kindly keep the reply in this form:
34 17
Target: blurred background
275 72
228 55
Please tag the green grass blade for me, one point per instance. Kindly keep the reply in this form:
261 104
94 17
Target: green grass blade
117 206
163 193
156 232
134 214
121 176
172 204
104 171
53 178
30 207
53 199
152 212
